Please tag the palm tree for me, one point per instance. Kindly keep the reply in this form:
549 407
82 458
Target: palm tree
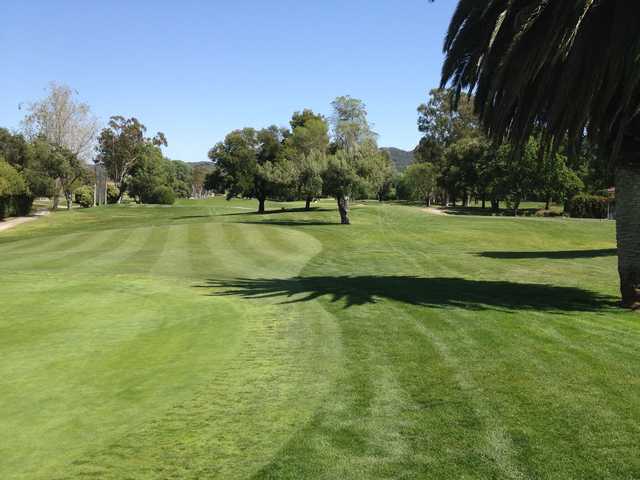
569 67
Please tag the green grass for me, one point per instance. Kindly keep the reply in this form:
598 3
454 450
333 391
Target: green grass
203 341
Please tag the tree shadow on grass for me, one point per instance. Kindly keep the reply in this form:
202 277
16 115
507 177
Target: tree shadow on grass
280 211
292 223
419 291
559 255
187 217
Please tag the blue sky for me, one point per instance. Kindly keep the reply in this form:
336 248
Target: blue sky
198 69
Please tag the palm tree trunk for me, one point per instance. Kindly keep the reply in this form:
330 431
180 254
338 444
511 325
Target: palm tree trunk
628 233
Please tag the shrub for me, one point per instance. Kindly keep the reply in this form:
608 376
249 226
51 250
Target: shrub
584 205
112 194
15 197
84 196
162 196
22 204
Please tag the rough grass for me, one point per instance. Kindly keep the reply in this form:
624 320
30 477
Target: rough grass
203 341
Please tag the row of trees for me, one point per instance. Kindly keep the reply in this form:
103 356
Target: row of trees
59 139
336 157
456 161
564 68
135 163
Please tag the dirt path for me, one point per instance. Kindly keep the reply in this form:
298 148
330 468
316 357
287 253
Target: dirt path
12 222
434 211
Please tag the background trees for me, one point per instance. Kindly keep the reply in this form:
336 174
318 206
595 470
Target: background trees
421 179
121 145
306 149
341 180
63 120
357 167
251 163
565 68
305 162
350 124
12 188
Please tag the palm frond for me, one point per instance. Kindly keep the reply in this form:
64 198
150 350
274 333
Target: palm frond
564 65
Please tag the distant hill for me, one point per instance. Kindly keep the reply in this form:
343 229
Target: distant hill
401 158
208 166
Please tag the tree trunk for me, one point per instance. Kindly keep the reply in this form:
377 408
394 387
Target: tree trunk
628 233
484 201
261 202
548 205
343 208
495 205
67 196
307 205
428 200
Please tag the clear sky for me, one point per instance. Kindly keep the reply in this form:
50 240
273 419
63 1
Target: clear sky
198 69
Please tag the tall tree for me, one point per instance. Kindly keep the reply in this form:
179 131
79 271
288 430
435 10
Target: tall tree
355 148
564 67
441 125
309 176
375 168
421 178
63 120
341 180
251 163
350 124
306 149
121 145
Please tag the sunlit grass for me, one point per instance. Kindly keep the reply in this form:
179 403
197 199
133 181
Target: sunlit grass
204 341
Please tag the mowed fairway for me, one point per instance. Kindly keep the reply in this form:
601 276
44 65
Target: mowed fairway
203 341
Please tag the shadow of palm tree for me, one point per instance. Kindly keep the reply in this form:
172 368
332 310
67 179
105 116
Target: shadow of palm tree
429 292
559 255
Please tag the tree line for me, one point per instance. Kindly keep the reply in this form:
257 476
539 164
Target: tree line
313 157
59 144
455 161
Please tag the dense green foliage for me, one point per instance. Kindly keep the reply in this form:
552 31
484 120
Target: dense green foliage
83 196
588 206
123 146
202 341
470 166
560 69
113 193
13 191
301 163
162 195
421 180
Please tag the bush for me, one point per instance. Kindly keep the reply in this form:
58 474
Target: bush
84 196
584 205
15 197
22 204
162 196
112 194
